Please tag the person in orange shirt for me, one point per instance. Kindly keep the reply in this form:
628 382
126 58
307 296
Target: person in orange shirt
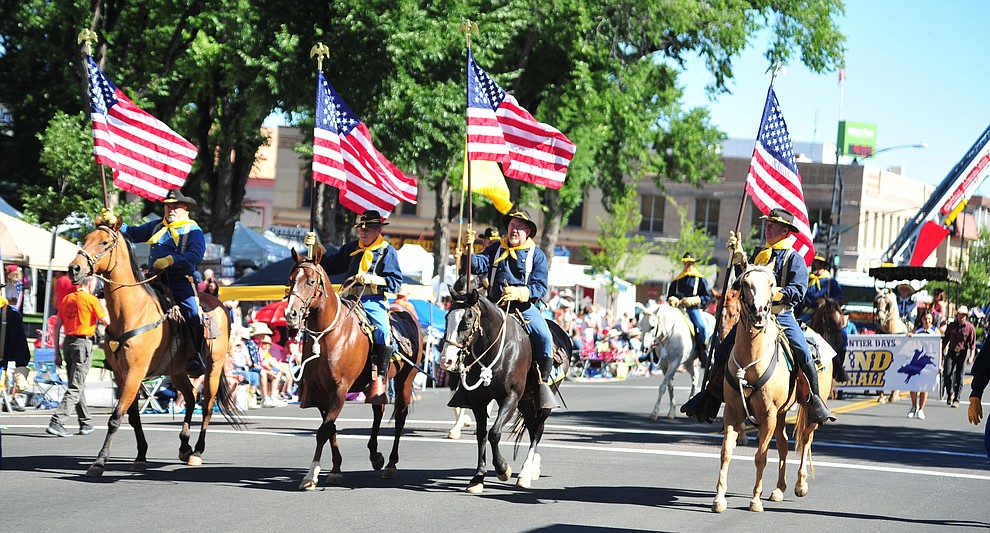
79 312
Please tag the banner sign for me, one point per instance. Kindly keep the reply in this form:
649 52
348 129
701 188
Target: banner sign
893 362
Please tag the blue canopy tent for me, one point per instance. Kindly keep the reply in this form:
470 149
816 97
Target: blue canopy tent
430 315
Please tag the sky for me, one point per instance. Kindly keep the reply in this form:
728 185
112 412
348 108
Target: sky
916 69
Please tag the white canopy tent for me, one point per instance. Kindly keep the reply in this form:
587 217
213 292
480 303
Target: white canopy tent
27 244
415 262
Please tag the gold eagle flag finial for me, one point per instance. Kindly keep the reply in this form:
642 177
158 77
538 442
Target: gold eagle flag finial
467 27
319 51
87 36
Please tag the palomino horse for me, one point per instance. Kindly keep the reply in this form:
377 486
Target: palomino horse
888 318
673 336
142 342
756 366
826 320
495 356
339 363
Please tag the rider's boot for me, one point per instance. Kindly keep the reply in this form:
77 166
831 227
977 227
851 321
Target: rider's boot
704 406
701 349
377 394
547 399
819 412
195 366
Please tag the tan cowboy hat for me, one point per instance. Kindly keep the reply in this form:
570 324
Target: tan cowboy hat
259 328
175 196
370 218
782 216
521 215
963 310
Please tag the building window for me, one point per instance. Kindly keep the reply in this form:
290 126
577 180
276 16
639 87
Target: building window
706 215
407 209
307 190
653 208
576 218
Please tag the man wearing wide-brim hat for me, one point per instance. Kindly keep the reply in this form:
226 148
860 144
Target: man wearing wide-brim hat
689 291
958 346
517 271
372 268
792 284
177 248
821 284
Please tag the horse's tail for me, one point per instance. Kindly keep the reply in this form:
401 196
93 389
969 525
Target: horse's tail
228 404
518 425
800 427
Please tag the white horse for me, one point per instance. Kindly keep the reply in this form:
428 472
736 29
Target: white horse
672 336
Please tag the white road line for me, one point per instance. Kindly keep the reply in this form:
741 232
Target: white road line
602 448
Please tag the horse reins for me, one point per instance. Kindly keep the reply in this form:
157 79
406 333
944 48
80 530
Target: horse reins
91 260
486 374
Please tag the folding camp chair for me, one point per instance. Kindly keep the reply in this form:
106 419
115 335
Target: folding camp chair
47 382
147 395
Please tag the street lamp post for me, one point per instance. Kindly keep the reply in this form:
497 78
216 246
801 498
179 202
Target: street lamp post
835 213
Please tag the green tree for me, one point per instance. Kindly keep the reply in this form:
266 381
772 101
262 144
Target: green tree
974 290
690 239
620 248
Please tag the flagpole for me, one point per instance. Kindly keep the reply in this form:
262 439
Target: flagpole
467 27
319 50
86 37
728 264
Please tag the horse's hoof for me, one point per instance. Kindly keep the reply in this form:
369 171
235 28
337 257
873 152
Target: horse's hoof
195 460
94 471
756 506
801 490
139 466
504 476
184 456
335 478
308 484
670 415
524 481
378 462
390 472
719 505
475 488
654 416
454 434
777 495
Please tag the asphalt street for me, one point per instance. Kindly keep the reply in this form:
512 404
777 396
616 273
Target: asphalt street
605 467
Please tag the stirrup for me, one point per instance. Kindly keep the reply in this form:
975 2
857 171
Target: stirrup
459 399
547 399
819 411
195 367
702 406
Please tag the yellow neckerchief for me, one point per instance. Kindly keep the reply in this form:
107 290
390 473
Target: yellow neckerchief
508 250
369 252
763 258
690 271
171 227
816 280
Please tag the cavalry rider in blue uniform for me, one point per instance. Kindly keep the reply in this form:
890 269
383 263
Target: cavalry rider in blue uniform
821 284
373 266
689 291
792 276
518 273
177 248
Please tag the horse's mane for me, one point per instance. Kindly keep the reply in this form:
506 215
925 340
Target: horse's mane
135 268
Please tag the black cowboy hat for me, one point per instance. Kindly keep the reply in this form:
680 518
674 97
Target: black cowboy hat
492 234
782 216
819 257
370 218
688 258
521 215
175 196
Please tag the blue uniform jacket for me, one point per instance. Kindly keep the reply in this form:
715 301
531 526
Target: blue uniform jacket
794 282
385 263
685 287
513 271
829 287
188 253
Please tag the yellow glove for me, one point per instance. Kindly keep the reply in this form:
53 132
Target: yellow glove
470 235
691 301
975 410
674 301
778 295
163 263
365 278
3 301
734 245
107 216
518 294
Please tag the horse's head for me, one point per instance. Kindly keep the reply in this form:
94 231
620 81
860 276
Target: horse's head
96 255
308 285
756 295
463 325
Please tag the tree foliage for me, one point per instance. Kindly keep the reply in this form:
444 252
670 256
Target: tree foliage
690 239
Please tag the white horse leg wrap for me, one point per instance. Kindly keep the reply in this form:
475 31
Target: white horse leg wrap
314 472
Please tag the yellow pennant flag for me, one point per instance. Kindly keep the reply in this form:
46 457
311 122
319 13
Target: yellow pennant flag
487 179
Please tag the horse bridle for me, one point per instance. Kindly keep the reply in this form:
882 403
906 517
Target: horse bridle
91 260
465 347
320 287
748 309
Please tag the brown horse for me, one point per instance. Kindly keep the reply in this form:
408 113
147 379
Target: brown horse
336 361
730 312
826 320
142 342
757 357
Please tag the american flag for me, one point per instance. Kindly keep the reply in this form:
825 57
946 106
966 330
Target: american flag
773 180
499 129
147 157
344 157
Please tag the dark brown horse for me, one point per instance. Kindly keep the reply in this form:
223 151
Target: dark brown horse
494 356
336 361
142 342
827 321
